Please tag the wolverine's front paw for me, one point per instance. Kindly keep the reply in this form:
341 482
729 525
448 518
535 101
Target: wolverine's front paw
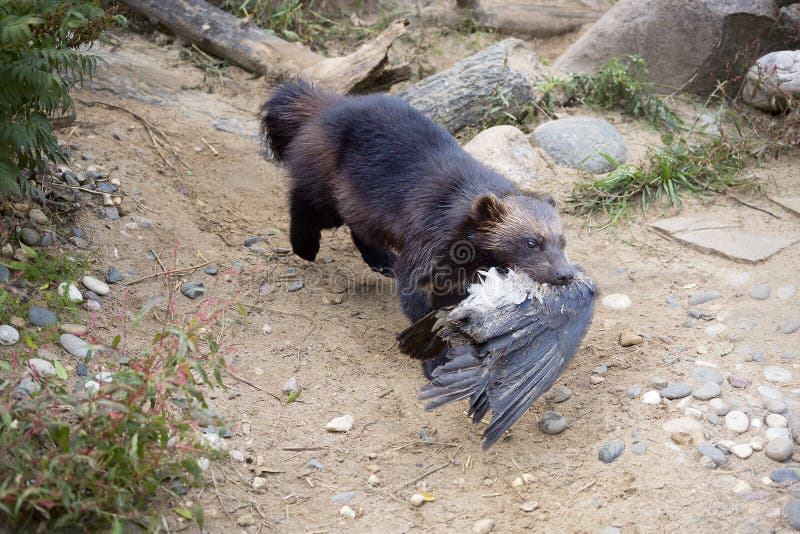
305 242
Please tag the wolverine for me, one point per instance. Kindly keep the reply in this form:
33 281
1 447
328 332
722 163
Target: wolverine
418 206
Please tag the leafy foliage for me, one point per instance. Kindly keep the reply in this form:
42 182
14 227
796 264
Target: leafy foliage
39 62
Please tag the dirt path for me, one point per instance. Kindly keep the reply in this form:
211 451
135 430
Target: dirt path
344 355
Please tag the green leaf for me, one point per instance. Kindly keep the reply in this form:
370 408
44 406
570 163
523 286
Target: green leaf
291 36
29 252
116 341
183 512
60 371
30 343
291 397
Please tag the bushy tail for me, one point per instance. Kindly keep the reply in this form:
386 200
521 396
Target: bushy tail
291 106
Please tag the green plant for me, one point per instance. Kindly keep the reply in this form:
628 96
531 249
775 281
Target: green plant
619 84
100 457
39 61
668 172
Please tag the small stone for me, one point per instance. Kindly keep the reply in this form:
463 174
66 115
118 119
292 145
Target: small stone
246 520
211 270
676 390
775 420
611 451
26 387
715 329
291 386
250 241
601 370
316 464
41 316
193 289
36 215
737 381
119 135
712 418
417 500
78 330
73 293
617 301
776 432
113 276
29 236
552 423
373 480
81 369
342 498
651 397
775 405
629 339
786 292
483 526
5 274
346 511
529 506
779 449
92 305
785 476
707 462
757 357
706 374
707 449
561 394
682 438
740 487
8 335
703 297
95 285
773 373
596 379
41 367
759 292
657 382
74 345
737 421
757 444
266 328
112 213
340 424
639 448
297 285
635 391
790 326
259 482
742 450
769 392
706 391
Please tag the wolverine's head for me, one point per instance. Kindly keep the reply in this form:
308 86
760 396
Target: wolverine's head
524 233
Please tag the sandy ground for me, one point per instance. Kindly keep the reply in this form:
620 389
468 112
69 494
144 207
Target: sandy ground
345 357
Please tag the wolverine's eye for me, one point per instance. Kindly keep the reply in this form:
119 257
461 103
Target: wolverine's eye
533 244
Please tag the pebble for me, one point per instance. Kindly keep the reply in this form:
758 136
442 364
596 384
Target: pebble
259 482
29 236
775 420
776 432
617 301
73 293
193 289
483 526
738 279
737 421
74 345
26 387
706 374
211 270
8 335
759 292
676 390
682 438
316 464
639 448
5 274
773 373
706 391
629 339
769 392
417 500
601 370
37 216
291 386
342 498
757 444
785 476
596 379
113 276
709 450
651 397
758 357
92 305
297 285
742 450
635 391
340 424
712 418
250 241
78 330
791 326
775 406
529 506
552 423
740 487
779 449
41 367
715 329
346 511
739 382
611 451
561 394
246 520
657 382
707 462
93 284
373 480
793 514
703 297
266 328
786 292
81 369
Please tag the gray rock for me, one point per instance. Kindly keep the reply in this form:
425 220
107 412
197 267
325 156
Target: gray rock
706 391
601 370
779 449
316 464
788 356
507 150
74 345
786 292
635 391
785 476
791 326
119 135
561 394
611 451
341 498
81 369
41 316
579 142
91 295
112 213
106 187
757 357
706 374
657 382
552 423
773 81
769 393
773 373
297 285
26 387
759 292
47 240
737 421
707 449
211 270
5 275
707 462
250 241
703 297
113 276
793 514
672 301
8 335
193 289
639 448
775 406
676 390
738 382
29 236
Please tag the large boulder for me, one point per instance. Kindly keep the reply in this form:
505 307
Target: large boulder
582 143
773 81
686 44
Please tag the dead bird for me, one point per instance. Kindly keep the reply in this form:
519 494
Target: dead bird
503 346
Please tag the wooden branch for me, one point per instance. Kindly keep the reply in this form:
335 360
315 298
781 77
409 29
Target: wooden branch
256 50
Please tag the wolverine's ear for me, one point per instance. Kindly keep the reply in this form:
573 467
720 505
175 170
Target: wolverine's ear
488 208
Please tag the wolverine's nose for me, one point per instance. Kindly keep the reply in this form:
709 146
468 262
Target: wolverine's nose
565 275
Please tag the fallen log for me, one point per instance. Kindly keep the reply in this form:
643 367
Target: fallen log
505 75
260 51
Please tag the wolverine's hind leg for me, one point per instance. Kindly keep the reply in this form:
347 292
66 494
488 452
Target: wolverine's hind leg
307 220
379 260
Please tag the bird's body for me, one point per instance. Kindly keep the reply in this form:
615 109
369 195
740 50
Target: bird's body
504 345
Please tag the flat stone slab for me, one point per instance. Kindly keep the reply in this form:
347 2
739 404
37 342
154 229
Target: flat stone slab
724 238
790 203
